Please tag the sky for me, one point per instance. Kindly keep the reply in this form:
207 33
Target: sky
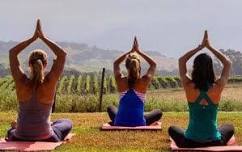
168 26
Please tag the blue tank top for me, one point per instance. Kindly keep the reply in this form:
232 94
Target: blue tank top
130 110
203 120
33 120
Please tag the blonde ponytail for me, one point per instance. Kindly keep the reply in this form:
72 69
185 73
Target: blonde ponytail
38 72
133 65
37 59
134 71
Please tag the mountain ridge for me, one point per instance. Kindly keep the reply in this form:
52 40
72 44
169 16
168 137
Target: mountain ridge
82 57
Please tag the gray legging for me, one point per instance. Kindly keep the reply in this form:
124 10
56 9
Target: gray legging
150 117
60 127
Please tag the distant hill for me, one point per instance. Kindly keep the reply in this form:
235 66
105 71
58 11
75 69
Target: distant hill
84 58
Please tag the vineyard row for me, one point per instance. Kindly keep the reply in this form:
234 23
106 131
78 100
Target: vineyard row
90 84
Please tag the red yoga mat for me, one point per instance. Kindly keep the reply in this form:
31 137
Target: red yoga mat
31 146
154 126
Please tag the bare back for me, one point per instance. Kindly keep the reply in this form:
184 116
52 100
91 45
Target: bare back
141 84
192 93
45 92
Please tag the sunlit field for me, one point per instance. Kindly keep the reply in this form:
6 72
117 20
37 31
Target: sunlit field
89 138
170 100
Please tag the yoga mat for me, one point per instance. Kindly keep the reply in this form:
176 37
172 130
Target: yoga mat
231 146
31 146
154 126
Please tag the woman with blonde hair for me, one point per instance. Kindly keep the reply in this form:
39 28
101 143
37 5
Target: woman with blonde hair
203 92
132 90
36 93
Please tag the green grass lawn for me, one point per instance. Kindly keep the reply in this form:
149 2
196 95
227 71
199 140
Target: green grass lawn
89 138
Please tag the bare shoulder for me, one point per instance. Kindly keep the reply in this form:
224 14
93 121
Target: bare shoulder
146 78
191 92
122 84
141 86
214 93
49 82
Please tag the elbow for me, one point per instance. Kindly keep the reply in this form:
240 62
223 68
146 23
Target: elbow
11 52
229 63
180 60
115 64
154 65
62 55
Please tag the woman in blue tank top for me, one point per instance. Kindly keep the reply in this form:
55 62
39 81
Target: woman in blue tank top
36 93
203 93
132 90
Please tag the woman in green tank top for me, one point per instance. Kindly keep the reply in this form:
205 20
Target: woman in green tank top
203 93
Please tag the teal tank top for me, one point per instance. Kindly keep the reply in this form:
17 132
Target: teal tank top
203 120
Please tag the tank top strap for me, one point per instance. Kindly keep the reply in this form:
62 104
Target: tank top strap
204 95
132 92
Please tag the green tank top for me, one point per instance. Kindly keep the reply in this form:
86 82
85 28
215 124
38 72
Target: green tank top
203 120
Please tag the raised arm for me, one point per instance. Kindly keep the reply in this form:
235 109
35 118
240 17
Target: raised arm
183 66
183 61
116 66
222 81
15 67
119 60
151 71
59 62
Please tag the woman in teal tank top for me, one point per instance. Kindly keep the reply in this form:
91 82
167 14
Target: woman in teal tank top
203 94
